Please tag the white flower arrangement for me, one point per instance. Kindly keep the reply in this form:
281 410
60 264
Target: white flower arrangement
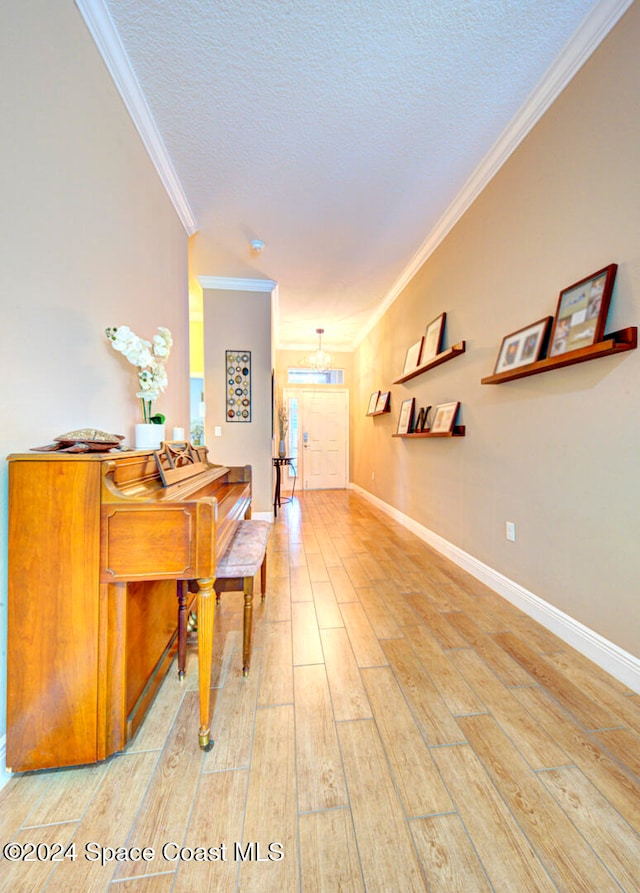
149 357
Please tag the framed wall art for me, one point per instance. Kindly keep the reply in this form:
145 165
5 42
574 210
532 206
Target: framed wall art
433 338
524 346
412 359
444 418
405 420
384 401
238 385
582 312
373 402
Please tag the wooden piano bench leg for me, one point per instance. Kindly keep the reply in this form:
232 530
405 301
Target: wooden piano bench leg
263 577
206 619
247 587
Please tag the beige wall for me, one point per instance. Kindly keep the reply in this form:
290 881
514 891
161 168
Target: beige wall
558 453
88 239
240 320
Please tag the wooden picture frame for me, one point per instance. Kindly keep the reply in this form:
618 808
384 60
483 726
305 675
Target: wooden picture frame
444 418
412 359
383 401
405 419
582 312
433 338
526 345
373 402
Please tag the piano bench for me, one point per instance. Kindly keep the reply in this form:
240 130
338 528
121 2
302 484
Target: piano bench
245 555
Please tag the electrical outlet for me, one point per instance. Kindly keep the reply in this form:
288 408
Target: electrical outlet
217 432
510 531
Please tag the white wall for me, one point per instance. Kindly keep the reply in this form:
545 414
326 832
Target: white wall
88 239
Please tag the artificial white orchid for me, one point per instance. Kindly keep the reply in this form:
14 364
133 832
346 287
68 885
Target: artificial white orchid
149 359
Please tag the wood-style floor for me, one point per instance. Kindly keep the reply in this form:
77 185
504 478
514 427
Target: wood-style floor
402 729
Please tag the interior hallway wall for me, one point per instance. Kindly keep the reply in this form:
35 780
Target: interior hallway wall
240 320
557 454
88 239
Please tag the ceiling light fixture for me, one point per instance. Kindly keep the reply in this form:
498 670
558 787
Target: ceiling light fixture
257 245
320 361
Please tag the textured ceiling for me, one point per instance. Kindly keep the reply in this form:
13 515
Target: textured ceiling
339 132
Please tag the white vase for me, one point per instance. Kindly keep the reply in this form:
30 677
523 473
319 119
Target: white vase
148 436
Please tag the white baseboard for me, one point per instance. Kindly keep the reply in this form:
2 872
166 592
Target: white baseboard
262 516
4 775
614 660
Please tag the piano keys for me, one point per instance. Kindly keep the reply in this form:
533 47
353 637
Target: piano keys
97 543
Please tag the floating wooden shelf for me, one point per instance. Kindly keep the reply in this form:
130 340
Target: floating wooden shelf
440 358
379 412
616 342
458 431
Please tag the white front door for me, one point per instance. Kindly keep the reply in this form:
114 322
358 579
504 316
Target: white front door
324 435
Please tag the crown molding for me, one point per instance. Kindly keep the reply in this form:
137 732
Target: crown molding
100 24
224 283
587 38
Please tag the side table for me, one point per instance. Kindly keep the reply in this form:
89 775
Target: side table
278 462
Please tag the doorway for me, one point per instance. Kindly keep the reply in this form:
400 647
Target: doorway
319 436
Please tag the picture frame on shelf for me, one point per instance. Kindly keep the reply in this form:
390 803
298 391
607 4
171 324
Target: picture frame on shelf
405 419
373 402
433 338
383 401
524 346
582 312
444 418
412 359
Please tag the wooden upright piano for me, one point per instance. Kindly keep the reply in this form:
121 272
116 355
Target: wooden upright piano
97 542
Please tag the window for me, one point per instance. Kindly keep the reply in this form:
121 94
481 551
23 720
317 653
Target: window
312 376
197 410
294 424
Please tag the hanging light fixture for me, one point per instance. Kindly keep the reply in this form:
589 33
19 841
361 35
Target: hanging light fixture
319 360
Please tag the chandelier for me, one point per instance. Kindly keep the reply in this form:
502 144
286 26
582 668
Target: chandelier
319 360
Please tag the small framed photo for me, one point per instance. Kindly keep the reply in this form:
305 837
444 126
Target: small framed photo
405 420
383 401
582 312
444 418
373 402
524 346
433 338
412 359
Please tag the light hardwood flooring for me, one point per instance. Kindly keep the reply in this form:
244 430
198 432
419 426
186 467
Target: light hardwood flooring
403 728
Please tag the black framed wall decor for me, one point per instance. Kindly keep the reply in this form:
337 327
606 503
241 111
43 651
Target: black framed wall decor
238 385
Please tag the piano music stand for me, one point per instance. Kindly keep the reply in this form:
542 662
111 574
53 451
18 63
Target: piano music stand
278 462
